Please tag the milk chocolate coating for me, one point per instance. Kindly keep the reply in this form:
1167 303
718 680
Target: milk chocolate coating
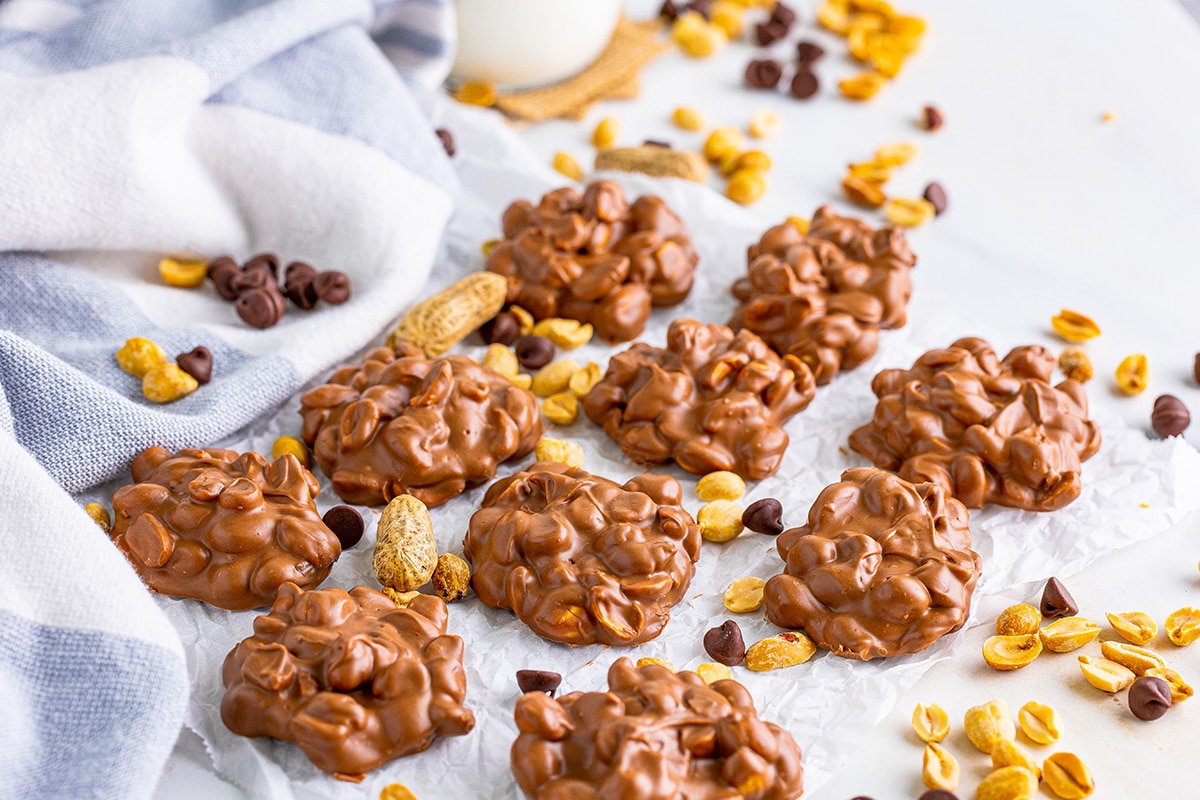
595 258
581 559
349 677
882 567
402 424
985 430
710 400
655 735
823 297
220 527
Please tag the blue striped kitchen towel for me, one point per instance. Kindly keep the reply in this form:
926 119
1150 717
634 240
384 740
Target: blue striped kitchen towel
133 129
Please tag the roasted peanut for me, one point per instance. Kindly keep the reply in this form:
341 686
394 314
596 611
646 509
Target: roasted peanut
1067 776
290 444
565 164
939 768
863 192
1105 675
689 119
801 224
930 722
909 212
554 377
746 186
166 383
871 171
1133 374
1069 633
728 16
1073 326
987 723
834 16
396 791
1008 783
764 123
405 550
524 319
606 133
721 142
522 379
184 273
584 379
1135 627
487 247
896 154
502 360
139 355
1075 364
720 485
1018 620
1138 659
401 599
779 651
1183 626
559 451
862 86
1007 753
451 578
1180 689
1039 722
719 520
565 333
476 93
561 408
696 36
745 595
1011 652
99 515
442 321
712 672
646 661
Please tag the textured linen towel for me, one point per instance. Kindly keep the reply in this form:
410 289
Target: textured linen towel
132 129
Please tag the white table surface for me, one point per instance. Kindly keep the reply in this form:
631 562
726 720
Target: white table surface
1050 207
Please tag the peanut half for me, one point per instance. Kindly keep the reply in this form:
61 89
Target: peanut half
1183 626
1133 374
1138 659
1105 675
745 595
720 485
1135 627
779 651
1008 783
1180 689
1011 652
930 722
1073 326
1067 776
1039 722
1068 633
939 768
1008 753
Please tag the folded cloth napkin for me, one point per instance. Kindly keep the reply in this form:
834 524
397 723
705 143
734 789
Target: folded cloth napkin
133 129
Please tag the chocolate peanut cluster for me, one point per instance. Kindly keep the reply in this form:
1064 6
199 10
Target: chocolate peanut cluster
711 400
986 430
403 424
595 257
823 297
581 559
882 567
654 735
220 527
349 677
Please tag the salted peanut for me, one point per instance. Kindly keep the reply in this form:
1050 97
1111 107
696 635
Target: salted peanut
863 192
166 383
442 321
559 451
1069 633
565 164
1135 627
648 660
584 379
561 408
525 321
871 171
451 578
1138 659
987 724
1105 675
1180 689
554 377
909 212
906 26
862 86
896 154
801 224
856 36
701 42
746 187
185 274
501 359
566 334
1008 783
1018 620
606 133
1007 753
689 119
522 379
1067 776
719 520
930 722
401 599
1039 722
140 355
99 515
1183 626
885 55
1133 374
293 445
1075 364
720 485
728 16
487 247
834 16
1073 326
721 142
779 651
396 791
405 550
755 160
764 123
476 93
939 768
745 595
1011 652
712 672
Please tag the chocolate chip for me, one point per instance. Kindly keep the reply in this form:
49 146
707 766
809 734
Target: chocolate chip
197 362
447 140
1149 697
668 10
936 196
808 52
1057 601
763 73
501 329
784 14
256 276
346 524
269 261
538 680
938 794
657 143
221 263
804 84
332 286
299 285
931 118
769 32
534 352
1196 368
260 308
764 516
222 271
724 643
1170 416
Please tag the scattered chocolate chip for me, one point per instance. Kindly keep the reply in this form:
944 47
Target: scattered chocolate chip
1170 416
501 329
258 276
862 797
769 32
804 84
299 280
936 196
197 362
269 261
447 140
763 73
1196 368
332 286
701 7
538 680
764 516
808 52
1149 697
346 524
260 308
784 14
724 643
222 271
938 794
657 143
931 118
221 263
534 352
1057 601
668 10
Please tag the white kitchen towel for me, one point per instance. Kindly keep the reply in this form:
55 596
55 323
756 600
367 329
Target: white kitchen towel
133 129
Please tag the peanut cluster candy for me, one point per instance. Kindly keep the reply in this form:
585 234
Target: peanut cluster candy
595 258
349 677
221 527
402 424
654 735
824 296
710 400
882 567
984 430
581 559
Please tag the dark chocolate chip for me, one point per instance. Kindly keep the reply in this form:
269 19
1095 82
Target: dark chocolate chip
447 140
221 263
1149 697
701 7
931 118
332 286
346 524
268 260
862 797
804 84
784 14
534 352
297 270
657 143
1196 368
538 680
1170 416
258 276
936 196
764 516
260 308
501 329
197 362
298 285
938 794
222 272
1057 601
724 643
669 10
769 32
763 73
808 52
